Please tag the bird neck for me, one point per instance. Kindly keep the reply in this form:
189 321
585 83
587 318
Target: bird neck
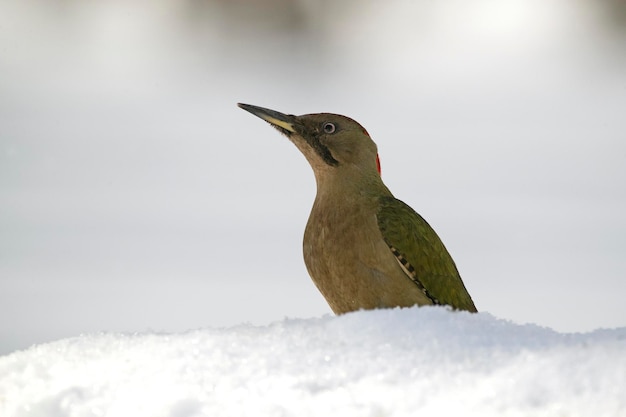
338 187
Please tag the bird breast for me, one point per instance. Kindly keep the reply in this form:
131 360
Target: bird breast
349 261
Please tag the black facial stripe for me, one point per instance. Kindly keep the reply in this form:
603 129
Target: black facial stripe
312 138
324 152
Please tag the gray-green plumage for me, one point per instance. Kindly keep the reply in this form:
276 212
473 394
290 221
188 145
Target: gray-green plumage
428 262
363 248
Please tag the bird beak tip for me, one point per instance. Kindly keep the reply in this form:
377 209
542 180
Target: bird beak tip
273 117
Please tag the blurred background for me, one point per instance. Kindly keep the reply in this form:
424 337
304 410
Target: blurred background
135 196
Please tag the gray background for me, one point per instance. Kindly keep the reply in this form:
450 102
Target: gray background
136 196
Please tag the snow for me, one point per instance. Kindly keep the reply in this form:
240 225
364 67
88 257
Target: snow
401 362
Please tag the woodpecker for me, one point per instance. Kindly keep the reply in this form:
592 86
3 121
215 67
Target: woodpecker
363 248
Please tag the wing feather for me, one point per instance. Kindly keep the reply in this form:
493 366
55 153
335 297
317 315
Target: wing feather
422 254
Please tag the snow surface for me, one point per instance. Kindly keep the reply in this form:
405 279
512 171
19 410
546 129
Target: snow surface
402 362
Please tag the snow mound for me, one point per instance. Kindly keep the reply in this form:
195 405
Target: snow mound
402 362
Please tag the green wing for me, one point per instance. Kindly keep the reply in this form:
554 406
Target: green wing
422 254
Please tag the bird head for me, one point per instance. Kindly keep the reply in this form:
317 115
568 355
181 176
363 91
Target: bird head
334 145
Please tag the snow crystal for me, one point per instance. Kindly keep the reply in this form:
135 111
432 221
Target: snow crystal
400 362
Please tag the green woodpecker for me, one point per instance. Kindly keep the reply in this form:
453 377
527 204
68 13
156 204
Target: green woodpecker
363 248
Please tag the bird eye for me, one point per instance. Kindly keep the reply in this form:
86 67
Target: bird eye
329 127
